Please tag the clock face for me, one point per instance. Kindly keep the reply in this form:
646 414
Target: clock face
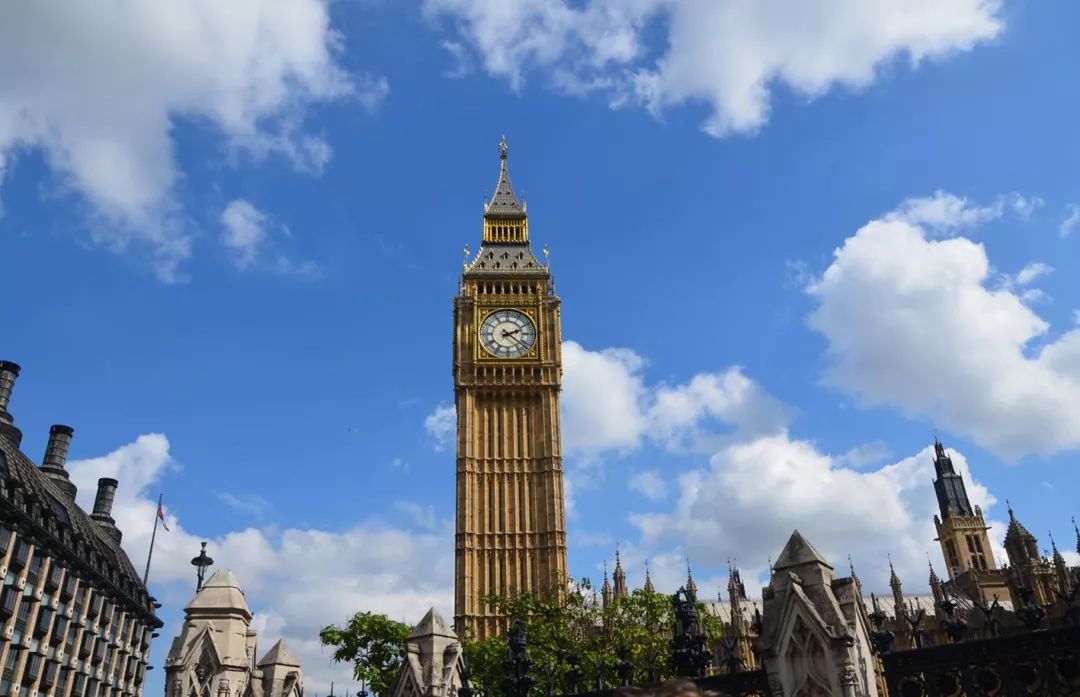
507 334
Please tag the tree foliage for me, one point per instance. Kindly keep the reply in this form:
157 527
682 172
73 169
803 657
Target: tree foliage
571 626
374 644
636 630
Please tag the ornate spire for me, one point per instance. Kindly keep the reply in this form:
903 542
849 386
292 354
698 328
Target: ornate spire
648 580
504 202
605 590
1077 531
897 592
949 485
691 587
935 583
894 580
620 578
1019 543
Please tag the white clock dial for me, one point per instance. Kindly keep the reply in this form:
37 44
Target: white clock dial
507 334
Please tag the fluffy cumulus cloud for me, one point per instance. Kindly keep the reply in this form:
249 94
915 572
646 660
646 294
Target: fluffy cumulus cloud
727 54
296 580
924 325
680 417
97 89
745 504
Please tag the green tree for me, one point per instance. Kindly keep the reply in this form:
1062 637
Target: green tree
637 629
374 644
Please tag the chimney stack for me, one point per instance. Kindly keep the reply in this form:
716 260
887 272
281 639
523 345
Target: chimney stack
56 456
8 373
103 503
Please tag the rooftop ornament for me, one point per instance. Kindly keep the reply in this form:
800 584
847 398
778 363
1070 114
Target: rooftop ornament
201 563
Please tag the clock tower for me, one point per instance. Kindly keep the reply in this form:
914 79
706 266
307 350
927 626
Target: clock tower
511 522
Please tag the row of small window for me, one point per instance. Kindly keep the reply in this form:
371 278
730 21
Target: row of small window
62 631
57 523
67 590
52 673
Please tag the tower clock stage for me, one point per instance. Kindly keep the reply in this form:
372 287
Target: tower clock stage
510 516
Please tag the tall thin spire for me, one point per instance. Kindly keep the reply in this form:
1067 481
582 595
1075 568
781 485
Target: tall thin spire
648 579
897 591
504 202
1077 531
949 485
691 587
605 590
620 578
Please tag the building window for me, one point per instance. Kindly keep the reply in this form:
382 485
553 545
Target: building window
33 574
21 554
9 600
9 671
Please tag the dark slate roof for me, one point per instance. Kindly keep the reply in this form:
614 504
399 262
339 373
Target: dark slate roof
504 203
502 259
115 573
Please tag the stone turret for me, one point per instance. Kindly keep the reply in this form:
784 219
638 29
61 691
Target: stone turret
432 666
815 635
215 651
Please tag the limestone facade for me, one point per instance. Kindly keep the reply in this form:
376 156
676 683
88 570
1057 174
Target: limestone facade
432 666
215 652
511 521
815 635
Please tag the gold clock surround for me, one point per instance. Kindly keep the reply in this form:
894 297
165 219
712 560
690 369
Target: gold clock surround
535 353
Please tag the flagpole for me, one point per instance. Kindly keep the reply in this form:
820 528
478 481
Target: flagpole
153 536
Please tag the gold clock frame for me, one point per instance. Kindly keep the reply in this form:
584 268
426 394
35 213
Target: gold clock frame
534 354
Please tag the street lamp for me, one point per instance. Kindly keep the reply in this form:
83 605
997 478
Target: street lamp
201 563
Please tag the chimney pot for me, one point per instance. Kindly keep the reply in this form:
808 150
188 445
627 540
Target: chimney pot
56 457
103 502
8 373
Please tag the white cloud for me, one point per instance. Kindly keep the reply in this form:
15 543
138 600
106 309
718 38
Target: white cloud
99 88
1072 220
250 503
244 232
1027 275
613 421
864 455
296 580
422 516
441 424
755 492
681 416
944 212
912 322
649 484
727 55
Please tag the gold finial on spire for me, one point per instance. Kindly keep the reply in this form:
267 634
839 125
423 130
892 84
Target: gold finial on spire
503 147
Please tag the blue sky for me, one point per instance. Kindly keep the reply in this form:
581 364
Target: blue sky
790 245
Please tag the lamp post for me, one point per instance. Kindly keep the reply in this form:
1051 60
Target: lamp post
201 563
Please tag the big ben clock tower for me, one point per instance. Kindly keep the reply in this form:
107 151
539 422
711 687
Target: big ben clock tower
511 522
